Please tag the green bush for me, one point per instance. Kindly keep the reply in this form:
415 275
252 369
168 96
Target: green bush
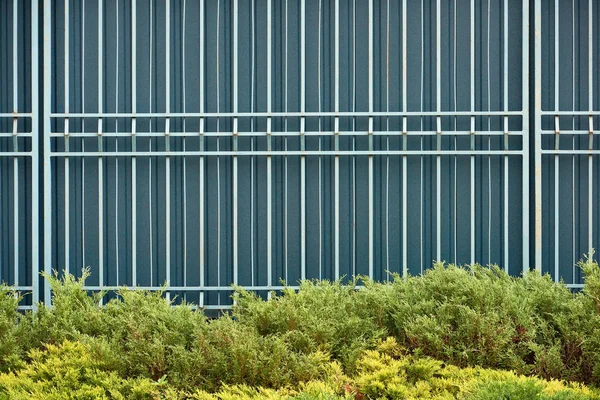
141 334
10 350
321 316
524 389
582 329
74 370
137 332
74 313
480 316
467 316
231 353
147 332
462 316
389 373
71 371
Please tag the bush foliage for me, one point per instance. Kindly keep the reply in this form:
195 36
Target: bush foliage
466 316
74 370
468 332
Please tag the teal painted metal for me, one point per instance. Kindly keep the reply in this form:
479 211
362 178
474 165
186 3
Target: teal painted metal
19 148
567 163
256 141
265 151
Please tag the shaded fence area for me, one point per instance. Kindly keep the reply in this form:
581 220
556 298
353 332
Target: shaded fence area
198 144
20 151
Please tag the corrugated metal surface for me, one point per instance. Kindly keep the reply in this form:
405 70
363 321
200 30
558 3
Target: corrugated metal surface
568 118
210 142
19 149
230 182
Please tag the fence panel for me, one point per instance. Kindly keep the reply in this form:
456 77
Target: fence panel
567 118
19 148
260 142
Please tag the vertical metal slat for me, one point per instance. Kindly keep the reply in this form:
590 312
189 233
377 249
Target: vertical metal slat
133 143
438 91
100 144
35 149
404 145
47 48
302 139
538 136
15 91
269 148
167 145
235 141
371 60
472 90
337 144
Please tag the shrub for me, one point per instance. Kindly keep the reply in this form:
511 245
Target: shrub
71 371
74 370
147 332
9 318
74 312
582 329
390 373
467 316
478 316
231 353
321 316
516 388
464 316
137 332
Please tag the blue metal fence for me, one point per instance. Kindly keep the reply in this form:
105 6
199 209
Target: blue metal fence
567 164
19 147
207 143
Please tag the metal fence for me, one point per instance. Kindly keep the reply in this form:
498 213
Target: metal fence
19 147
567 163
205 143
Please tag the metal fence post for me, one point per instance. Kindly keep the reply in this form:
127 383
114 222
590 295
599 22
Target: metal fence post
46 150
538 136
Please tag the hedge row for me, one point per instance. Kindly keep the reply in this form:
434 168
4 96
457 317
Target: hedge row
468 317
75 371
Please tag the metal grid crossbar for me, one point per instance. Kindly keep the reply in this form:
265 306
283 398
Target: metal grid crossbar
209 143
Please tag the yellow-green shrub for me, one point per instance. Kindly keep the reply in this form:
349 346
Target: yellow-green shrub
321 315
388 373
10 351
72 371
231 353
467 316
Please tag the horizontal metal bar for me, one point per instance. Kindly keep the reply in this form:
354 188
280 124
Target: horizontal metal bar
571 152
288 114
16 115
201 288
20 288
570 113
219 308
190 288
18 134
17 154
126 134
288 153
225 289
570 132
